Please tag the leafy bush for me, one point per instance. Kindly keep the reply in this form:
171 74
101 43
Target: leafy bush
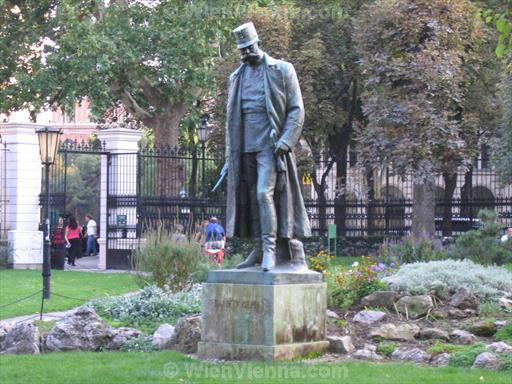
488 283
346 288
396 253
320 262
483 245
466 356
440 347
143 343
505 333
170 259
149 307
387 348
505 360
232 262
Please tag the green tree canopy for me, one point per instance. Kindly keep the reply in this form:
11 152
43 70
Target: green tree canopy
152 57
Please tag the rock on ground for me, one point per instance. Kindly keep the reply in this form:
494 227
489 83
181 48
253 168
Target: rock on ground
383 299
500 347
22 338
415 354
434 333
505 303
187 334
463 337
464 298
441 360
83 330
120 336
368 317
415 306
163 336
485 328
332 314
402 332
340 344
367 353
486 360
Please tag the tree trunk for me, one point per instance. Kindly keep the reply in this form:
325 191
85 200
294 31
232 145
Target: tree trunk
322 208
170 166
423 206
340 210
450 182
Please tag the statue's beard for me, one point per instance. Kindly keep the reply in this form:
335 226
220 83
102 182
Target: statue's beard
251 58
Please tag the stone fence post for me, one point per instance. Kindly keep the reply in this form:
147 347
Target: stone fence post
23 186
122 180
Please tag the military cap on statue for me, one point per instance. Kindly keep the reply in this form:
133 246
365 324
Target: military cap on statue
245 35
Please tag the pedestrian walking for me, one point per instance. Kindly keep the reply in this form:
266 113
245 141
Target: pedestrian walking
73 240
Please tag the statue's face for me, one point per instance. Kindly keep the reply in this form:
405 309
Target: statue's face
250 54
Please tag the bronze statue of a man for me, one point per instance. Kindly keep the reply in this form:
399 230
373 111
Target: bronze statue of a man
264 121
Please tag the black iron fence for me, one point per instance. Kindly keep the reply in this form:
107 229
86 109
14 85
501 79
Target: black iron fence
175 188
172 186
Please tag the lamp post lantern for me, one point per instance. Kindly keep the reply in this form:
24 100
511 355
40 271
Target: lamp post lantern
48 146
203 132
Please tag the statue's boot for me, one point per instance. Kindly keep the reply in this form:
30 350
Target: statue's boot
297 253
254 257
269 253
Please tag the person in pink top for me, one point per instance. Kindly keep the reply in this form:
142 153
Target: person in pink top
73 240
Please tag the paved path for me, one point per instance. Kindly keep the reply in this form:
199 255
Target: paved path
90 264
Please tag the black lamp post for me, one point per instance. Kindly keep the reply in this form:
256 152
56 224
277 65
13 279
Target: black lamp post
203 132
48 146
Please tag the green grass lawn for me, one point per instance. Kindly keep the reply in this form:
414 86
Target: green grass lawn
172 367
508 266
344 261
15 284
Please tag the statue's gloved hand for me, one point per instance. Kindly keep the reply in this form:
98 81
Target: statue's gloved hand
281 148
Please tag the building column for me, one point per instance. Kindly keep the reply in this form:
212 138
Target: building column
23 186
120 178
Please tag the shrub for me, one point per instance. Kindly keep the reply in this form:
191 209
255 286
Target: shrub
505 333
466 356
440 347
320 262
386 348
483 245
143 343
346 288
171 259
149 307
232 262
396 253
505 360
488 283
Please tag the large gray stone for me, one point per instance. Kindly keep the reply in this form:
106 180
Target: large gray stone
500 347
407 354
368 317
340 344
187 334
4 330
486 360
441 360
415 306
463 337
163 336
381 299
22 338
253 315
485 328
366 354
121 335
434 333
464 298
402 332
83 330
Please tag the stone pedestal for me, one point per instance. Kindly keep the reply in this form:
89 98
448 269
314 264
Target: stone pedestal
253 315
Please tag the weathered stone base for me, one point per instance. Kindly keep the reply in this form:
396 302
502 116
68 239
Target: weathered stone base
253 315
259 352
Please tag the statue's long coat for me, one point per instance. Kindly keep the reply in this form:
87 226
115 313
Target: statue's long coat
285 111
